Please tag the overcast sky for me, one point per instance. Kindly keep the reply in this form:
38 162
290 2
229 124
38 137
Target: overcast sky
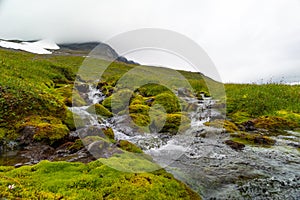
248 40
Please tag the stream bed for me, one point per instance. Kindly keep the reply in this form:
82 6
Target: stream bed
202 160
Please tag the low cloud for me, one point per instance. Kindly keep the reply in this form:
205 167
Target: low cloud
247 40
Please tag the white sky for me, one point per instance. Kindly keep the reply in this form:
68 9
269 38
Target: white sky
248 40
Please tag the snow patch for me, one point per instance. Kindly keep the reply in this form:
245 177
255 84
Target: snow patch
39 47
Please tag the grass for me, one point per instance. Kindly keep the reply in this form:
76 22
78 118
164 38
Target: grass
248 101
28 85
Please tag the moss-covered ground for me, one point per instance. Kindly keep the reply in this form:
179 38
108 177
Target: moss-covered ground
63 180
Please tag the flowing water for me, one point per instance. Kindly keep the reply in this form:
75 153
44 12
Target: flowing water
202 160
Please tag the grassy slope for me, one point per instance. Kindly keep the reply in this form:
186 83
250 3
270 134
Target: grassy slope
32 91
247 101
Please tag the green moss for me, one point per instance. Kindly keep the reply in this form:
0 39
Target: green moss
128 146
140 119
3 132
152 89
107 103
252 139
273 123
138 99
109 133
99 110
218 123
139 109
288 115
240 117
118 101
169 101
70 96
47 128
7 134
70 120
77 145
173 123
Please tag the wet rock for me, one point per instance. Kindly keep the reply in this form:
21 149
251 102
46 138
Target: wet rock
235 145
82 88
200 133
184 92
26 137
18 165
102 149
38 151
249 126
296 145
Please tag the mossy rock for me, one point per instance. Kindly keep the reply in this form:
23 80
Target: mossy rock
140 119
73 121
174 123
288 115
128 146
199 96
48 129
118 101
99 110
137 99
90 139
107 90
252 139
169 101
239 117
70 96
139 109
274 123
107 103
153 89
230 127
109 133
76 146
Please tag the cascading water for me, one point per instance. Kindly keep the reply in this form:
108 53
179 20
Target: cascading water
208 165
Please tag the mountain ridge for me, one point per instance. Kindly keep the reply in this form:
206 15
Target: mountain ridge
76 49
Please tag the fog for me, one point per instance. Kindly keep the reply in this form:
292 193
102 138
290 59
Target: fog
247 40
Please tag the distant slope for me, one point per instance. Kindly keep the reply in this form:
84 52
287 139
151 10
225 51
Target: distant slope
74 49
83 49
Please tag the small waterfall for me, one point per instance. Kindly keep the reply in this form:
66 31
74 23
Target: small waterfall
200 158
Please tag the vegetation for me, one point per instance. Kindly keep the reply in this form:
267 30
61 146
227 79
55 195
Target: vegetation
99 110
63 180
230 127
49 129
35 91
252 138
109 133
249 101
31 91
128 146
